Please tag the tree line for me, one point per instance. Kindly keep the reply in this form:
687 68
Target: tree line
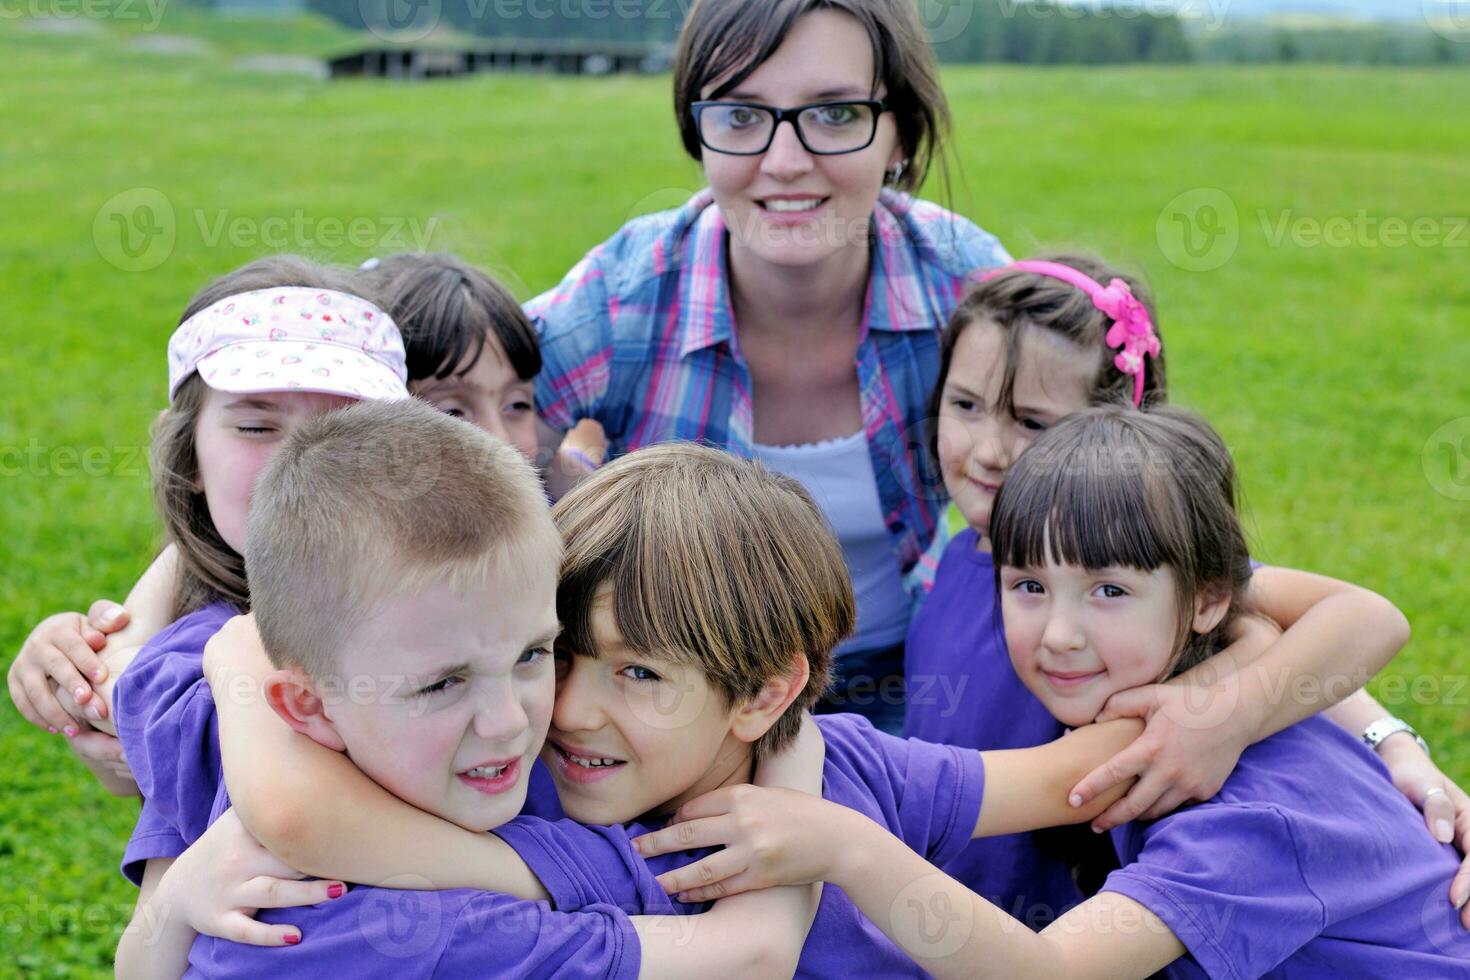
1034 32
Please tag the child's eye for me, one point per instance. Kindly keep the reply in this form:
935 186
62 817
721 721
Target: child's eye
520 407
1032 425
1112 591
534 656
638 672
1029 586
253 430
451 681
963 404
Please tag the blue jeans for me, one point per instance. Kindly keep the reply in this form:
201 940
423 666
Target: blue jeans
868 683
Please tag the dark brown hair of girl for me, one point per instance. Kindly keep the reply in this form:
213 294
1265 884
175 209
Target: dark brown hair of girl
1018 302
1139 489
447 309
726 40
209 569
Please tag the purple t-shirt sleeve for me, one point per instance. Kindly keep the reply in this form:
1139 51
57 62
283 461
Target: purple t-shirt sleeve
582 866
166 721
1238 918
400 935
929 794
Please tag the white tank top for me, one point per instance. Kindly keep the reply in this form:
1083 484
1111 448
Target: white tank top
838 473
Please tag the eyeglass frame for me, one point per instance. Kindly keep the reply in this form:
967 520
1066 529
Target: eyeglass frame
878 107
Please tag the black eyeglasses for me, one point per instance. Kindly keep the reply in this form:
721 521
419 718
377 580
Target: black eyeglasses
747 129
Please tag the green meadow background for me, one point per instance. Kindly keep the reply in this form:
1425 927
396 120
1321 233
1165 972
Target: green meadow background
1304 230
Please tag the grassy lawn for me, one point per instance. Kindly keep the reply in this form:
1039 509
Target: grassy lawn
1316 312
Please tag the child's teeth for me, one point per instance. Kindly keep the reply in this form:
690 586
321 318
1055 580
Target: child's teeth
482 772
592 763
792 205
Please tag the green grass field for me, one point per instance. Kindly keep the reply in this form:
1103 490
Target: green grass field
1330 361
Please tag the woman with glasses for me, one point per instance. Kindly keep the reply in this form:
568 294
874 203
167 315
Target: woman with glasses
791 310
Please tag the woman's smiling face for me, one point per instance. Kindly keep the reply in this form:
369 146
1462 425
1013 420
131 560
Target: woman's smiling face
826 201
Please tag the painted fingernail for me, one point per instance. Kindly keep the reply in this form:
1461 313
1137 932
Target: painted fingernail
1075 799
335 891
292 939
79 693
52 730
111 616
1464 897
1443 831
99 673
70 730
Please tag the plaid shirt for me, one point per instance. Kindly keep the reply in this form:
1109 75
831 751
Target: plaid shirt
640 336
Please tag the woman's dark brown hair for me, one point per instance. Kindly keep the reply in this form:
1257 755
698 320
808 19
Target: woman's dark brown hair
446 309
1017 302
209 569
1139 489
726 40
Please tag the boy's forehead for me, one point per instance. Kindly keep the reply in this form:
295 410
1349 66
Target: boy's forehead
440 622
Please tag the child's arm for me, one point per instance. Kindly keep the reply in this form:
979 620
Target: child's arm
1337 637
214 889
760 933
1446 807
765 844
952 932
156 941
944 927
317 812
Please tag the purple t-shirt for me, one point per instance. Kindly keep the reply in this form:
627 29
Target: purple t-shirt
961 690
165 717
393 934
927 795
1308 863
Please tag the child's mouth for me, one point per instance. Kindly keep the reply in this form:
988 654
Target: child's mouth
492 777
1068 680
584 768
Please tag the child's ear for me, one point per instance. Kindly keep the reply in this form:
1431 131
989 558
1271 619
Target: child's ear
755 717
1209 610
293 696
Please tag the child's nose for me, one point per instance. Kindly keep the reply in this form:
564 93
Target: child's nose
990 450
577 708
500 716
1062 634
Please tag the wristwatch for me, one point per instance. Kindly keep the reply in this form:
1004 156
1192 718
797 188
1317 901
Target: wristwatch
1375 733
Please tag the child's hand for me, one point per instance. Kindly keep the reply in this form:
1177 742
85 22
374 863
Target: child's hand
770 837
63 650
1445 806
1190 744
225 877
105 752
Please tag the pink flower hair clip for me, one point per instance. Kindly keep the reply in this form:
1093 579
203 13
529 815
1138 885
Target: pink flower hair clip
1132 333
